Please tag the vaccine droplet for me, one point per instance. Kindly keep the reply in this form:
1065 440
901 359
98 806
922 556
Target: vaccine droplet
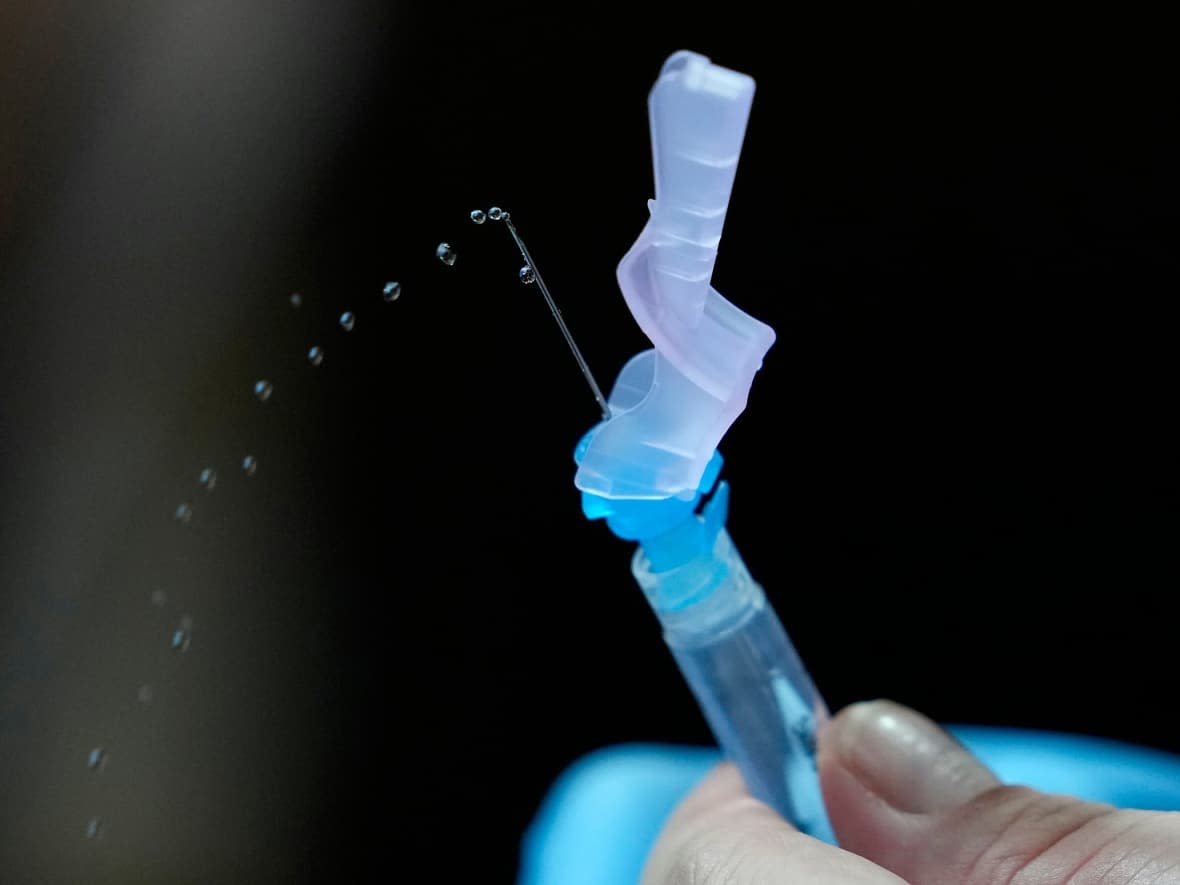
495 213
315 356
263 389
391 291
181 637
479 216
445 254
249 465
96 759
296 300
183 513
347 321
528 275
145 695
159 598
93 828
208 479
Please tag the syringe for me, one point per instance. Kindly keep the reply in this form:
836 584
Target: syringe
649 466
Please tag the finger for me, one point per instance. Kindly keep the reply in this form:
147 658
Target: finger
720 834
903 793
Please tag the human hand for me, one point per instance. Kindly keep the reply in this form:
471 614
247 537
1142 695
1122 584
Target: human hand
906 800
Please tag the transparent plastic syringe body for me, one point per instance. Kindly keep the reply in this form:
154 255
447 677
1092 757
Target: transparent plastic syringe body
747 678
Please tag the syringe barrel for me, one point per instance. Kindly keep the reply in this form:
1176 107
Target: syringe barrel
739 662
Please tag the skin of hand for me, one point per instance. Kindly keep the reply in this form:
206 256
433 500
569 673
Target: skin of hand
910 804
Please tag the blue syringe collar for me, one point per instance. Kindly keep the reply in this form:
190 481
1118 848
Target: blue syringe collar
670 530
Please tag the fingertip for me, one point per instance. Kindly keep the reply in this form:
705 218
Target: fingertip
902 757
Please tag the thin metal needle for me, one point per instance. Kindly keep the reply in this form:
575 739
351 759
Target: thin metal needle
569 339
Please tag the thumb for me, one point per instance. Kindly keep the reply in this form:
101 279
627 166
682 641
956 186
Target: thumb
902 793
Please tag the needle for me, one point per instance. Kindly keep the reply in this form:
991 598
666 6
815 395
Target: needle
530 274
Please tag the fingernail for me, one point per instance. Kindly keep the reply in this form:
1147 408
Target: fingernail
904 758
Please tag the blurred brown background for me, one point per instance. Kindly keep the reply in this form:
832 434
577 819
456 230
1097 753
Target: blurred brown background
161 166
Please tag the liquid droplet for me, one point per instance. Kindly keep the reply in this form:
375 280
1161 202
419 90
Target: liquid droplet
263 389
504 216
159 598
93 828
347 321
145 695
315 356
249 465
528 275
296 300
495 213
182 636
479 216
208 478
391 291
446 254
96 759
183 514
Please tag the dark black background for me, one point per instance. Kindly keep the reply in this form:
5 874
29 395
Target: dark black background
956 474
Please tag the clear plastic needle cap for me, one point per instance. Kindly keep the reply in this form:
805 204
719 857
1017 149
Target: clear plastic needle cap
671 405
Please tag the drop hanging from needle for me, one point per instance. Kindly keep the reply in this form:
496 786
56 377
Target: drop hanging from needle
531 276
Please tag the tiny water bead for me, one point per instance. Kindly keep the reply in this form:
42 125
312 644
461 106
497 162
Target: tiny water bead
93 828
296 300
145 695
183 514
391 291
347 321
96 759
479 216
208 479
445 254
249 465
159 598
181 637
315 356
528 275
495 213
263 389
